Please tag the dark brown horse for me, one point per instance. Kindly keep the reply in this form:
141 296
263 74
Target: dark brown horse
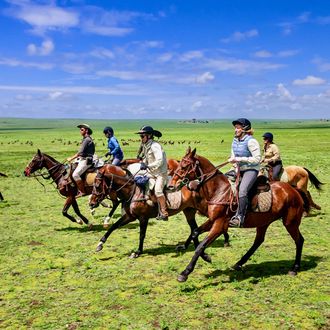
112 178
214 188
58 172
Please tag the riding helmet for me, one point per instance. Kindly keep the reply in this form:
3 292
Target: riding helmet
269 136
246 124
108 129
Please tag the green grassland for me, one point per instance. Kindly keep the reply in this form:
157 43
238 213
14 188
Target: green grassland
52 278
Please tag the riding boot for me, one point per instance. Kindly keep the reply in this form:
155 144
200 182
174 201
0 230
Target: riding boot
162 210
238 219
81 188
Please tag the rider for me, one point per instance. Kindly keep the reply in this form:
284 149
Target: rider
272 155
245 155
113 146
154 159
85 154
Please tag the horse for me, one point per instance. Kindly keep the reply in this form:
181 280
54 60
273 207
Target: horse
214 188
113 178
58 172
298 176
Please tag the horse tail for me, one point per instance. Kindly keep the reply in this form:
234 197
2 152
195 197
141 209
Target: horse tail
307 204
314 180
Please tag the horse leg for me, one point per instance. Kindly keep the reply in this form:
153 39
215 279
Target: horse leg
122 221
67 204
293 230
311 201
115 204
76 209
143 230
260 237
190 216
215 232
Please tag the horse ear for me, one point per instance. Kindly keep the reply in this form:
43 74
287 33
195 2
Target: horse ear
39 152
193 152
188 150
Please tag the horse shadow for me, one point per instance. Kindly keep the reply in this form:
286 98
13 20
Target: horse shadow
170 248
99 227
263 270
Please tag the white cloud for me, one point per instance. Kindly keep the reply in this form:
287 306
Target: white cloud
191 55
263 54
46 48
205 77
238 66
287 53
240 36
102 53
321 64
44 16
16 63
284 93
308 81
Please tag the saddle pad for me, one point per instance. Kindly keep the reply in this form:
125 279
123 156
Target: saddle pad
173 200
284 176
90 177
262 202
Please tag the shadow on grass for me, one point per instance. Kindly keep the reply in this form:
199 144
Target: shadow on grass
84 228
265 269
170 248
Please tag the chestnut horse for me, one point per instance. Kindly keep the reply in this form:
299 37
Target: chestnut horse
112 178
214 188
298 176
58 172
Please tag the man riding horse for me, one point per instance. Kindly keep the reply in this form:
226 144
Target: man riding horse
154 160
85 157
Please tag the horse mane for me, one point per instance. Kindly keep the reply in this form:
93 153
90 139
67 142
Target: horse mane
50 157
205 162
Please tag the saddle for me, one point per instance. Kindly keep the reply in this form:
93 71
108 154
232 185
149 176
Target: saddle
267 171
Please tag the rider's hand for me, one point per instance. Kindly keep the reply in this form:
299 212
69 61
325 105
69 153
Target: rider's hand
143 166
232 160
107 154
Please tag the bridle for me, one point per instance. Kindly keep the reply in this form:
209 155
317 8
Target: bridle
194 168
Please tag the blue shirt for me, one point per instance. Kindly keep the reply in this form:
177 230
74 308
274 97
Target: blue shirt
114 148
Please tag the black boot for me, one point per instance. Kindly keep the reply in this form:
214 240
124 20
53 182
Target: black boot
238 219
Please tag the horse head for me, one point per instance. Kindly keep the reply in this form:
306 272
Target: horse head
37 163
99 190
103 184
186 170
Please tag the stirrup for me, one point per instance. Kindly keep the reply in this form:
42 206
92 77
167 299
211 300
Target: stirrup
236 222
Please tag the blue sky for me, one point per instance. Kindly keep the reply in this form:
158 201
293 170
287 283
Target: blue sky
165 59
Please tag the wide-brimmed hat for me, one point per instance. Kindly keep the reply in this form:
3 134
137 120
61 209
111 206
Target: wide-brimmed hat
149 130
87 127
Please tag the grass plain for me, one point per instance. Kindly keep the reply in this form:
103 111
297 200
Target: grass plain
52 278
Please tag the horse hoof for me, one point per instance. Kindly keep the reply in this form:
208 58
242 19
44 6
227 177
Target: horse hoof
79 221
237 267
99 247
182 278
90 226
206 258
226 244
180 247
134 255
292 273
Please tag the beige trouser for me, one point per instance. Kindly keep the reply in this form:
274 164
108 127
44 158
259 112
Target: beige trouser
80 169
158 182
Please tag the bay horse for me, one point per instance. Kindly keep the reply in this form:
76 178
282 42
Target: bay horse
215 189
58 172
113 178
298 176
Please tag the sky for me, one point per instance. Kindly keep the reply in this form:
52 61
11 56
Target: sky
180 59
